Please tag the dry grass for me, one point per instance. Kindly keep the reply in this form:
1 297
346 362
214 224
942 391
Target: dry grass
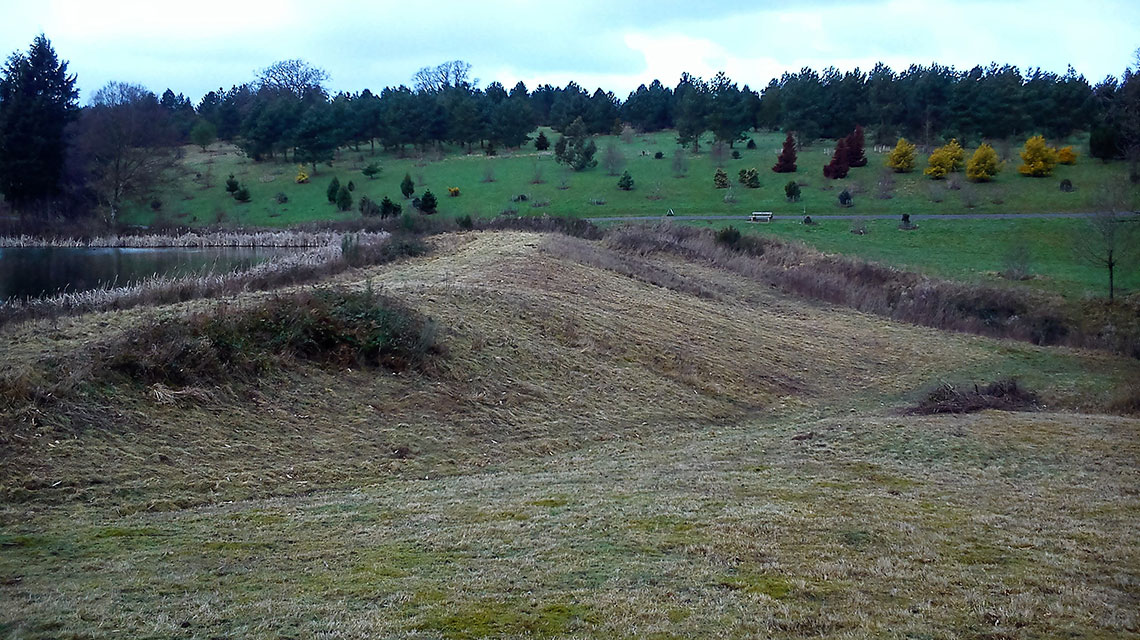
627 446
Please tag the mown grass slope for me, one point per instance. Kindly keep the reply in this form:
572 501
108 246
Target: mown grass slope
588 454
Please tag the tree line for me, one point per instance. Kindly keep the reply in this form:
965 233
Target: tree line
57 155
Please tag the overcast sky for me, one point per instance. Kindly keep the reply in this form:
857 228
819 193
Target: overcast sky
193 47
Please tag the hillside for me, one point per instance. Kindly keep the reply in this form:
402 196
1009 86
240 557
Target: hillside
195 195
585 453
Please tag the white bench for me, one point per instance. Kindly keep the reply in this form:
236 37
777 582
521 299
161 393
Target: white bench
760 216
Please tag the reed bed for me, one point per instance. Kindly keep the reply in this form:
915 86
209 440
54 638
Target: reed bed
191 240
305 266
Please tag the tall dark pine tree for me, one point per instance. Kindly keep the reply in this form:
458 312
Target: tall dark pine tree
786 161
855 155
37 101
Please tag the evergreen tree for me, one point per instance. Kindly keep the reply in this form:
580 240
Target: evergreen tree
317 136
428 203
232 184
750 178
786 161
38 100
203 134
541 143
332 190
407 187
983 165
1038 158
371 171
389 208
1103 143
578 147
792 191
837 168
855 143
720 179
945 160
901 159
343 199
625 183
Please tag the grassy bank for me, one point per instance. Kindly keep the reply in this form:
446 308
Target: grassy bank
972 251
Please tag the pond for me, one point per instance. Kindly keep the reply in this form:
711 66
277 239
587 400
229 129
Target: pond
31 272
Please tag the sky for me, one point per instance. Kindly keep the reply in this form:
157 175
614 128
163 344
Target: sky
195 47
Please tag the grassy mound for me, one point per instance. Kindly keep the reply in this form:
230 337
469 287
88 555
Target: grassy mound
335 326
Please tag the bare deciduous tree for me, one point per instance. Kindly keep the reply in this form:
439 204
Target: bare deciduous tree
125 138
612 159
1111 236
454 73
295 77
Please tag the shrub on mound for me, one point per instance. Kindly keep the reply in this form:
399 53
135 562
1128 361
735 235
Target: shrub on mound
333 326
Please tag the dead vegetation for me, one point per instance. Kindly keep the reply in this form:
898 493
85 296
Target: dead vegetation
613 445
1004 395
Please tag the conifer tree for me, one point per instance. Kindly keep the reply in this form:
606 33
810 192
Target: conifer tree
855 143
1038 158
786 161
901 159
983 165
837 168
332 190
720 179
38 100
541 143
407 187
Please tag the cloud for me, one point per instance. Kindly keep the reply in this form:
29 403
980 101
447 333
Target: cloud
197 47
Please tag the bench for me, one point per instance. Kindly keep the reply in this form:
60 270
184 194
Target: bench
760 216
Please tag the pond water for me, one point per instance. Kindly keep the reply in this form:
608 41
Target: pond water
32 272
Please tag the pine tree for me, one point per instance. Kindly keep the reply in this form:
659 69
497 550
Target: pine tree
343 199
1104 143
792 191
389 208
407 187
786 161
428 202
232 184
983 165
901 159
541 143
37 102
625 183
837 168
720 179
855 143
371 171
750 178
332 190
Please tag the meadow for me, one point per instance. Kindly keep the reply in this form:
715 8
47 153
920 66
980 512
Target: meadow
600 442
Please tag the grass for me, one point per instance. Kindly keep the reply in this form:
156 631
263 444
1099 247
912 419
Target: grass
491 185
596 454
973 251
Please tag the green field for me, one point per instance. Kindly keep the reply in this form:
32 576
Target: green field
196 195
968 250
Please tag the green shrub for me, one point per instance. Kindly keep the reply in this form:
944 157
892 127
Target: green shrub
728 236
333 190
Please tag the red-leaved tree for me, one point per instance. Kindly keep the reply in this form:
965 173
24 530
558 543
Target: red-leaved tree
786 161
837 168
855 156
